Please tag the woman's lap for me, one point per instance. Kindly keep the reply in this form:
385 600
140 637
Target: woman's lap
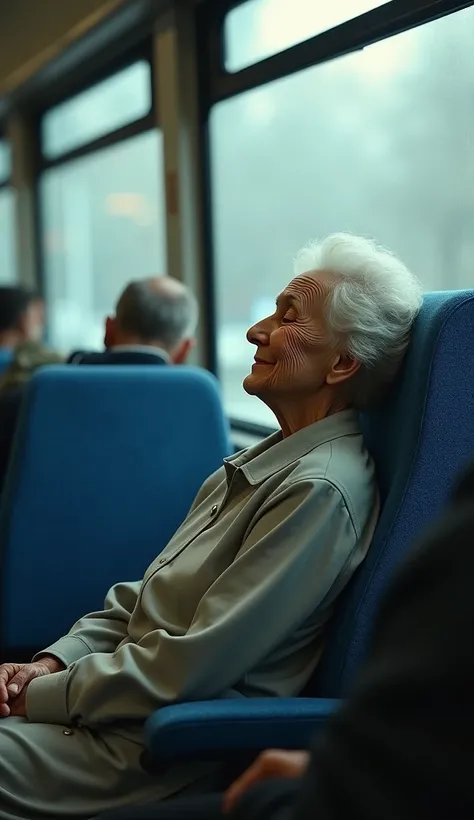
51 771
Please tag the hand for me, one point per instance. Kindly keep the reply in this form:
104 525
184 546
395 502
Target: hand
274 763
14 679
17 706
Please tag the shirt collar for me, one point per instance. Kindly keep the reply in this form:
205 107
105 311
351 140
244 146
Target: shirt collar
149 349
274 453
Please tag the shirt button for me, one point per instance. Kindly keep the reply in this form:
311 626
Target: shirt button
214 509
162 560
68 732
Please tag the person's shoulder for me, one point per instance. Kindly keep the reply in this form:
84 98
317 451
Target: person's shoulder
344 462
343 470
85 357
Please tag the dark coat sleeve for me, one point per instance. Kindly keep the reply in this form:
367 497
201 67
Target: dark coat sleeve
402 747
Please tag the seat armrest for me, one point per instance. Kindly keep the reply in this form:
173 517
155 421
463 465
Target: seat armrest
224 729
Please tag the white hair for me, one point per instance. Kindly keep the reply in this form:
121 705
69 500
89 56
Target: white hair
372 305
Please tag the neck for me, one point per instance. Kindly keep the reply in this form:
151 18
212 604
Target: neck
135 341
293 415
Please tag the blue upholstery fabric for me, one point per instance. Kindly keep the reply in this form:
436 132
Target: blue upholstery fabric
5 359
106 464
236 724
420 440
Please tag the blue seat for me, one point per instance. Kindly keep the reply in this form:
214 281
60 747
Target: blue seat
420 440
105 466
5 359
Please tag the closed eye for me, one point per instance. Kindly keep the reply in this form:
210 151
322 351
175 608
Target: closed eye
288 317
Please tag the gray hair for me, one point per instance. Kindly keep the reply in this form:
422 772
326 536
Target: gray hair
371 307
160 309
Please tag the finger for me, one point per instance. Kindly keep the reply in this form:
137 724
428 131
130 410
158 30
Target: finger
248 779
4 710
6 672
19 681
18 707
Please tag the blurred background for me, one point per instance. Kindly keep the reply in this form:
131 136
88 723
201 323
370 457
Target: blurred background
210 140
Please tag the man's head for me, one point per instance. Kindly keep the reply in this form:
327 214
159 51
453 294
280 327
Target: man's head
340 329
158 312
21 316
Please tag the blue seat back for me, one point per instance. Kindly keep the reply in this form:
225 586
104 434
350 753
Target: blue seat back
420 440
105 466
5 358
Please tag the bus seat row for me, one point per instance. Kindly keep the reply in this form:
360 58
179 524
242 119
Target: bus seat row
420 440
106 463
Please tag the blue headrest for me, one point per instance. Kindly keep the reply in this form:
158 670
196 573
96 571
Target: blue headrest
420 440
106 465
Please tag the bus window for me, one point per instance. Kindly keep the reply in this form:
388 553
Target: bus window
377 143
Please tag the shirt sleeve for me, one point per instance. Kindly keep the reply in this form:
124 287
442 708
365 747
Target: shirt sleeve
100 631
297 549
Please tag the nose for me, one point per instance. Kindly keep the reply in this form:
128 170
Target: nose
259 334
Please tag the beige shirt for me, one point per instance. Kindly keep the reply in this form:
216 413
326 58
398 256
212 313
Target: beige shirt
235 604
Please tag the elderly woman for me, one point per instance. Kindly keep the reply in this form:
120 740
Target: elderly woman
236 603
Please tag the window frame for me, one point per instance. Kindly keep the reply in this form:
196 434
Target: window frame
373 26
146 123
55 94
5 182
216 84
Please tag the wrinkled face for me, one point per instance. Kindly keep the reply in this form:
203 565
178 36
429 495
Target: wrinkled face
294 349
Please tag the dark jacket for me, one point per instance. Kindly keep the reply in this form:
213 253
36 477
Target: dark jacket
120 356
402 747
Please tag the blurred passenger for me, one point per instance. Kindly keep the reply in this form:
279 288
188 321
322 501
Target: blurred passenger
27 357
154 323
21 317
237 603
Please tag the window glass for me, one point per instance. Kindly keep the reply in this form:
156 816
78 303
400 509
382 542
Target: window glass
103 225
259 28
5 161
111 104
8 273
378 143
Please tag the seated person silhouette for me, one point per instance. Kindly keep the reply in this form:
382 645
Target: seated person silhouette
26 358
154 323
236 604
21 319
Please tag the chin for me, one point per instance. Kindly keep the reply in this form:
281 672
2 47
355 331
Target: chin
249 385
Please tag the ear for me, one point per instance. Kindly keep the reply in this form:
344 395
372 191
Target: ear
342 368
182 351
110 331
